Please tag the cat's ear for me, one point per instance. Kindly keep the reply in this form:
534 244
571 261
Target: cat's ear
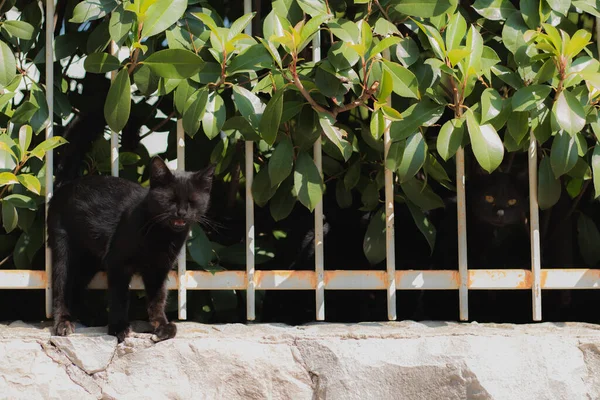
160 174
203 178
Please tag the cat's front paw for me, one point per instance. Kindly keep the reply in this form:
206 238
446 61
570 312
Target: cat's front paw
164 331
64 328
121 330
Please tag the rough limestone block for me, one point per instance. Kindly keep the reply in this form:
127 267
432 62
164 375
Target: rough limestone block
399 360
90 353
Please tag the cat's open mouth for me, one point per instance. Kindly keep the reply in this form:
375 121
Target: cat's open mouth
178 223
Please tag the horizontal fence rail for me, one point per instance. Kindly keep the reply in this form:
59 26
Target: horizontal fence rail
463 279
479 279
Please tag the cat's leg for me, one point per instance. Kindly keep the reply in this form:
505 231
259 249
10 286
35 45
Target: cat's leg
63 257
118 298
155 283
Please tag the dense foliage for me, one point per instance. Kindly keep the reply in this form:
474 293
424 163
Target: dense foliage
485 76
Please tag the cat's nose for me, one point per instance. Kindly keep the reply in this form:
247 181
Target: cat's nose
500 213
181 213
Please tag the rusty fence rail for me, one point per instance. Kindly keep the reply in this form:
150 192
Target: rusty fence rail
320 280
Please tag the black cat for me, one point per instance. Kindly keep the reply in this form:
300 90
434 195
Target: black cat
108 223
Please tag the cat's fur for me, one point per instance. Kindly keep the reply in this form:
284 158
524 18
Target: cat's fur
108 223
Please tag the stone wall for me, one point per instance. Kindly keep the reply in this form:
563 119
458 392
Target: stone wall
404 360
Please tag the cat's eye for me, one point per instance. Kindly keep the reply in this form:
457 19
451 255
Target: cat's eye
489 199
512 202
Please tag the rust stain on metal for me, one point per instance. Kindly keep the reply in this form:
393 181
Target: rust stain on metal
526 282
543 277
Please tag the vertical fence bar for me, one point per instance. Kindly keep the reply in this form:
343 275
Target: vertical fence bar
390 244
319 251
534 221
249 172
114 136
461 209
181 260
49 134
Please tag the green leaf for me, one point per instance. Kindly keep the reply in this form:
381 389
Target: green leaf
25 134
421 194
383 44
161 15
513 31
486 144
183 94
345 30
455 31
569 113
283 201
24 113
21 201
30 182
548 186
589 6
475 48
308 184
239 25
405 82
41 118
8 66
407 51
7 178
199 247
281 162
374 245
194 110
342 195
214 115
249 105
118 102
530 97
101 63
423 113
335 135
40 150
254 58
120 24
310 29
262 189
560 6
450 138
9 217
423 8
491 104
578 42
424 224
174 63
413 157
377 125
563 155
20 29
435 40
494 10
596 170
518 125
588 238
271 118
352 176
313 7
89 10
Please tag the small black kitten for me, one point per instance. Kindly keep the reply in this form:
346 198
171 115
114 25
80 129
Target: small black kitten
108 223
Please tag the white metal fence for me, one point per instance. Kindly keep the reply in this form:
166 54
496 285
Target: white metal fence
320 280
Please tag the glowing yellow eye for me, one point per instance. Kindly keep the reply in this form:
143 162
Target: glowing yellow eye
512 202
489 199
